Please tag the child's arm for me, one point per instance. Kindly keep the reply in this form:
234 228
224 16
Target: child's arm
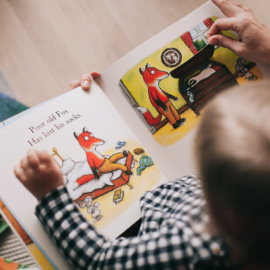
86 248
167 248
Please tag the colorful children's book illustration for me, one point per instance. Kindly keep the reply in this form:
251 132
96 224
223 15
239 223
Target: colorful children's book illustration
91 208
120 144
31 247
6 264
3 225
118 196
138 151
90 181
95 160
171 87
145 162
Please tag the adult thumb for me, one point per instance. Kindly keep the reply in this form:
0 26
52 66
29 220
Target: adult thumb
226 42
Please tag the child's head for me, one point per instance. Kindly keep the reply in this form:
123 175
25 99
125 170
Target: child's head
233 156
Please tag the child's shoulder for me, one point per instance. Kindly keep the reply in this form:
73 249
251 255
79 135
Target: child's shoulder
175 198
189 185
177 208
184 182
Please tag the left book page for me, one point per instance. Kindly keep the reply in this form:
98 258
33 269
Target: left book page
18 250
60 126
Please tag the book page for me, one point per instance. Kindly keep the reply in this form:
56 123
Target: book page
18 246
161 87
79 128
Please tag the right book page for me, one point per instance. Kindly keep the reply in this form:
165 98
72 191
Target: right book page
162 87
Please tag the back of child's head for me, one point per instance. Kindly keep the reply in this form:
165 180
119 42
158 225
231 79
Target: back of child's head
233 156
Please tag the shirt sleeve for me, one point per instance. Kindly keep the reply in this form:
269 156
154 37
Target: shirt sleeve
86 248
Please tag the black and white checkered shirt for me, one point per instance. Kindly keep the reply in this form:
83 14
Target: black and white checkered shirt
167 238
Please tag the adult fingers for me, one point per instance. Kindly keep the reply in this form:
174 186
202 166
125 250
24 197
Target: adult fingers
85 81
225 24
228 43
73 85
19 173
95 74
244 7
227 7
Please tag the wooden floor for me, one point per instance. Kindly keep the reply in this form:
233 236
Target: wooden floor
46 44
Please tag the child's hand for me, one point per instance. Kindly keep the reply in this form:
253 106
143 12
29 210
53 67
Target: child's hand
85 81
39 173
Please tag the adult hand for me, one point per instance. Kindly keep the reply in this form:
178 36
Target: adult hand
253 37
85 81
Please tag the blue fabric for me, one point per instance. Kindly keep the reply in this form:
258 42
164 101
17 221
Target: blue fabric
145 162
9 107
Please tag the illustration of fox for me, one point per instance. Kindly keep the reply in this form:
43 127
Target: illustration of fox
159 98
97 161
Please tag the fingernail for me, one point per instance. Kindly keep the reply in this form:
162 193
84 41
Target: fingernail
86 84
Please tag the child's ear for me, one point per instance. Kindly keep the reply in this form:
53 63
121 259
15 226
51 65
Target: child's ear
75 135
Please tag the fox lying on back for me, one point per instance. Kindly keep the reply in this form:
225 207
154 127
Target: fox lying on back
96 161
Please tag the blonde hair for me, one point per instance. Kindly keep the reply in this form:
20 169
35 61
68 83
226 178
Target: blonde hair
233 156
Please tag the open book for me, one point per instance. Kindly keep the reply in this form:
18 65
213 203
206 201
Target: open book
138 121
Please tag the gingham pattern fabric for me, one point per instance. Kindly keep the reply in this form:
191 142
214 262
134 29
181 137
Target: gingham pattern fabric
166 239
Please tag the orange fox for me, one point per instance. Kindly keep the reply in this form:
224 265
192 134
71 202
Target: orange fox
159 98
96 161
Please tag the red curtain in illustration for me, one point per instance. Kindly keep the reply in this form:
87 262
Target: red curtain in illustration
188 40
208 22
